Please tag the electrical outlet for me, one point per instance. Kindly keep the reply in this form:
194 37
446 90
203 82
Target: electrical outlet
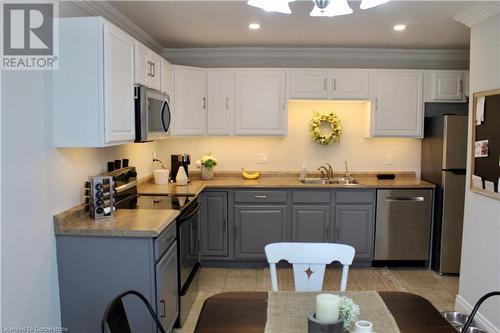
389 159
263 158
155 155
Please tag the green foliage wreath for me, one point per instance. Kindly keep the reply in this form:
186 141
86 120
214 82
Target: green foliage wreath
335 127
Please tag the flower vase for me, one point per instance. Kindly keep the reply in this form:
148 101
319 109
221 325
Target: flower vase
207 173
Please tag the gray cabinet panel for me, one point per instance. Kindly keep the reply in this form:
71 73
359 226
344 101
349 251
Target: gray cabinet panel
258 197
311 196
354 226
166 288
257 226
355 196
310 223
214 233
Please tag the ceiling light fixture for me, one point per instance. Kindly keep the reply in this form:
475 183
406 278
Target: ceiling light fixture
331 8
399 27
278 6
327 8
254 26
365 4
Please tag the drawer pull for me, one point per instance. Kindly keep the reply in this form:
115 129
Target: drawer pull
162 314
260 196
394 199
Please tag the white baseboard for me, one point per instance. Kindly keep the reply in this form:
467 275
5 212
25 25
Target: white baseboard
463 306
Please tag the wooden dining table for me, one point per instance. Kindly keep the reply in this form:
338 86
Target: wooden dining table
246 312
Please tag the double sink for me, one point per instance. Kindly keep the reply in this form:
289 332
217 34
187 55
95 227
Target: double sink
340 181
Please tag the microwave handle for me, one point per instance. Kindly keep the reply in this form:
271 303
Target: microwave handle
163 109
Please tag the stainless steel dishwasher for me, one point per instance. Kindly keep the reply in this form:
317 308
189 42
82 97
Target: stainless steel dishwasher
403 224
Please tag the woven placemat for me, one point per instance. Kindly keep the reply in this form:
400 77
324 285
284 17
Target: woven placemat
287 311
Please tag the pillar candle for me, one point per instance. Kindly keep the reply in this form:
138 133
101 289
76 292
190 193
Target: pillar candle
327 307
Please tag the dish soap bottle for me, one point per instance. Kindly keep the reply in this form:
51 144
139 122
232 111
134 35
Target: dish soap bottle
303 172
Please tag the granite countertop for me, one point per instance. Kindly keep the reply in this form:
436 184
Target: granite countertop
286 181
124 223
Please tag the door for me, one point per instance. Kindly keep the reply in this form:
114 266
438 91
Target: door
397 104
310 223
351 84
257 226
142 64
167 302
214 240
452 221
166 78
448 86
260 102
190 102
309 83
155 77
455 142
355 227
119 112
220 102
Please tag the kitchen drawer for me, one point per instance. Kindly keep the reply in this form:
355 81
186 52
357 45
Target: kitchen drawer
311 196
163 241
354 196
260 196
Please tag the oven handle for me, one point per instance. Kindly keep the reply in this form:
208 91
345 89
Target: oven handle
192 212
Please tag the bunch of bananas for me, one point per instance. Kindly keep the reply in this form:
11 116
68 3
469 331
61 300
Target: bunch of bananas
249 175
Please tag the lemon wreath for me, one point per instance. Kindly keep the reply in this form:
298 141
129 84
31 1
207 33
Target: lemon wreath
334 124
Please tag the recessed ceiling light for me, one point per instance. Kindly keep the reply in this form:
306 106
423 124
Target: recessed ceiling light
399 27
254 26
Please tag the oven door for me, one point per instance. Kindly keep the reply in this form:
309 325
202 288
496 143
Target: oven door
159 115
187 224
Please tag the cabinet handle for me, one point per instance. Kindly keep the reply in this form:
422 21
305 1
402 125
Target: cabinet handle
334 84
153 69
376 103
324 84
283 103
162 303
260 196
235 232
204 102
337 232
224 225
227 103
327 231
460 86
149 68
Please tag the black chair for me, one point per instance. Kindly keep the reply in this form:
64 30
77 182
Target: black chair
115 316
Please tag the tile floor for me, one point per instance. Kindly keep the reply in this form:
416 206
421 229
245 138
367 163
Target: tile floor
439 290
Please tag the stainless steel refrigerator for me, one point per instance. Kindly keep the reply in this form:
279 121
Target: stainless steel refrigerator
444 158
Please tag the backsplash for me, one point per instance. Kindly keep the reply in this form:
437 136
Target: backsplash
289 152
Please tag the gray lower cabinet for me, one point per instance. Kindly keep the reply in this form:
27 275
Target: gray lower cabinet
214 231
257 226
355 226
166 288
310 223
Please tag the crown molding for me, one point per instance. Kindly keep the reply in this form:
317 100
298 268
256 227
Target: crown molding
478 13
110 13
319 57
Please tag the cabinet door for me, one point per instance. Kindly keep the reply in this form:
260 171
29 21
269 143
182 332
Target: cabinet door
220 102
310 223
119 113
166 78
354 226
448 86
398 104
155 77
214 240
309 83
190 102
167 303
142 64
260 102
351 84
257 226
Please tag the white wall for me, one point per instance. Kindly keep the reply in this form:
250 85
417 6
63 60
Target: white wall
480 267
288 153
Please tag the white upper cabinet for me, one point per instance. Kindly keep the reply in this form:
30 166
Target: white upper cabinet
309 83
167 78
351 84
93 88
397 106
261 106
446 86
220 102
147 67
190 101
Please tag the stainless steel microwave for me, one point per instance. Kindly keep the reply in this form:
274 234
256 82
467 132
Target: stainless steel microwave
152 114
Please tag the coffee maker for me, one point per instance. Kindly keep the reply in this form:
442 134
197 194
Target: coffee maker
179 160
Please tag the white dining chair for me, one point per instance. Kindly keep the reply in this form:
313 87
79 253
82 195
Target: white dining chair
309 261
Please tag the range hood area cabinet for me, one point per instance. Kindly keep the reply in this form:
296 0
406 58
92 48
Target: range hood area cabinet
93 90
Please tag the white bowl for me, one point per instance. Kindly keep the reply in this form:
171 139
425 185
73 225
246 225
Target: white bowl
363 326
161 176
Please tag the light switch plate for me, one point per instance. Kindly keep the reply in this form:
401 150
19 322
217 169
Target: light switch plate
263 158
389 159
